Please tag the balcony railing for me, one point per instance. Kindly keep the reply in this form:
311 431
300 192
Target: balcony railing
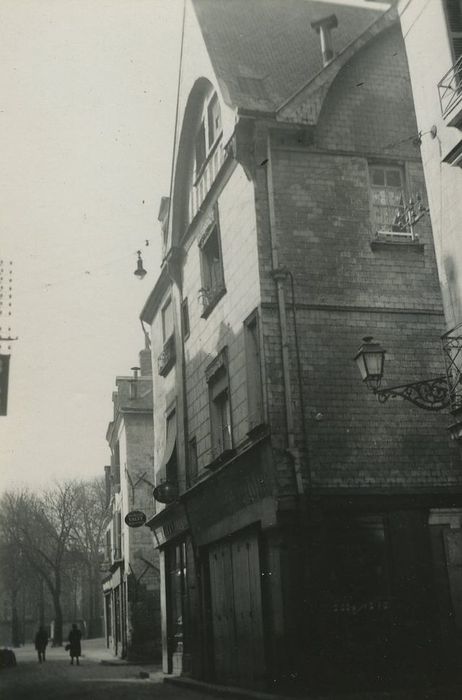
209 297
167 357
397 222
452 350
450 89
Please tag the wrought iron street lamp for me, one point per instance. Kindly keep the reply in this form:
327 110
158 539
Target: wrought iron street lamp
429 394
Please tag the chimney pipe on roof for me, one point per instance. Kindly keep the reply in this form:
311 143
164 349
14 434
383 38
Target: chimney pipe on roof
324 27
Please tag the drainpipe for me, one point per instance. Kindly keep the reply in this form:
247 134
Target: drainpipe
279 275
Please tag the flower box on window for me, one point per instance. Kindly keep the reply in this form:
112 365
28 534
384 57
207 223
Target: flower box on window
167 357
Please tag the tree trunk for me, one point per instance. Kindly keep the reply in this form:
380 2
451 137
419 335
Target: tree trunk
41 605
58 627
15 641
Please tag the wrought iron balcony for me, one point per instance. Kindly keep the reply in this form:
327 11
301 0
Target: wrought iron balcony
450 93
209 298
167 357
452 350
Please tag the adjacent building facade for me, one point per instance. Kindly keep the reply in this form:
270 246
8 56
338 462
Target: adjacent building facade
131 584
304 530
433 38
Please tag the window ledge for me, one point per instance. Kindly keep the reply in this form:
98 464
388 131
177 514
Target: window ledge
258 430
386 239
210 299
223 457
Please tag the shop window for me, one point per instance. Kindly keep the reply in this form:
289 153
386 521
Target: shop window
356 602
213 283
176 567
253 367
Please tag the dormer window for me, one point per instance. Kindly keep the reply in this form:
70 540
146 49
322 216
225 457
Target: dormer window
324 28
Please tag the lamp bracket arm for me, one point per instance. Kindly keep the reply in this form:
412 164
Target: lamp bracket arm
429 394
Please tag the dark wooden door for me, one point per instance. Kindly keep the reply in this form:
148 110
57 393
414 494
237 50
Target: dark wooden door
237 619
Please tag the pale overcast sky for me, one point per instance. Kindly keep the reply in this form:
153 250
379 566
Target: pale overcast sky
87 100
87 93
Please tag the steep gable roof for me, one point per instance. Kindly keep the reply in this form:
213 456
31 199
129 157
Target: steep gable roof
265 50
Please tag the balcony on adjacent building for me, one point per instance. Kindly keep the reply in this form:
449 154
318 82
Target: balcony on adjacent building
450 94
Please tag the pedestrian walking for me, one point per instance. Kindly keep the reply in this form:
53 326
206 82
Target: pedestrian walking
75 650
41 641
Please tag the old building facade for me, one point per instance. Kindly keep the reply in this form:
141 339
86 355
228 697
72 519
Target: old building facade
131 582
435 69
298 520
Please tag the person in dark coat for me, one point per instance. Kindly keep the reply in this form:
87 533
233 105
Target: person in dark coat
75 650
41 641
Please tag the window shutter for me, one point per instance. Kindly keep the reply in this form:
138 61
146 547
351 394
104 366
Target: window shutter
454 19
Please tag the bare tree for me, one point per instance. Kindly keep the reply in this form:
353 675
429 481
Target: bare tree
41 530
89 526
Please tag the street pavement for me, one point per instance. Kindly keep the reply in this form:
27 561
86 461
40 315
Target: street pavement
99 677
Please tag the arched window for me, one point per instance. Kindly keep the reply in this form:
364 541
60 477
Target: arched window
208 151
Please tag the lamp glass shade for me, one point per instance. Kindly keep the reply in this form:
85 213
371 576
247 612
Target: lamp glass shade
370 360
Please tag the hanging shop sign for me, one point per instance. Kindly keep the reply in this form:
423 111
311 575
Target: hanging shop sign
136 518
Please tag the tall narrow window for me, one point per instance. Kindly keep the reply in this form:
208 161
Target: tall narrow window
117 526
200 147
388 199
108 553
185 318
213 282
454 21
167 357
116 466
253 366
214 120
220 407
192 461
167 320
171 463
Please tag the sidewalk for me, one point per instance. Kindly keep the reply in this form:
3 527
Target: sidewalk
450 692
97 651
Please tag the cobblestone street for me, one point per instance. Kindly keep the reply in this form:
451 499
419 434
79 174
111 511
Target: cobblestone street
97 678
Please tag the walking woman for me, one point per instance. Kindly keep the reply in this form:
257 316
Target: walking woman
75 650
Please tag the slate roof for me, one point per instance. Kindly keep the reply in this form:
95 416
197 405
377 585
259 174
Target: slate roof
263 51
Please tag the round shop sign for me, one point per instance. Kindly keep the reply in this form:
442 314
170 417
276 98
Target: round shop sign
136 518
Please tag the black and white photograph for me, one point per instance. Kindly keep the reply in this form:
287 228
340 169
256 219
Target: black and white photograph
231 349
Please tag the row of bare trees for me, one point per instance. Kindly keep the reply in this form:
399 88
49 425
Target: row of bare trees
46 539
